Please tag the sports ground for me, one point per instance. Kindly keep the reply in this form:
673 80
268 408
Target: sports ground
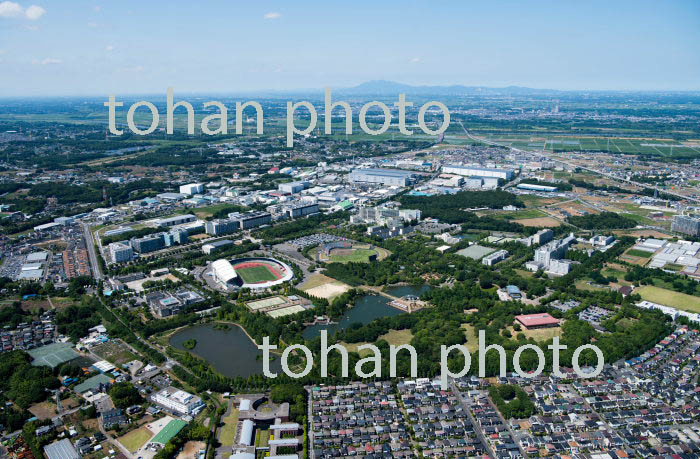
254 272
53 354
169 431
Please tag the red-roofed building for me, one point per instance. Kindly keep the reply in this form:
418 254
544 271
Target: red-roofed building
541 320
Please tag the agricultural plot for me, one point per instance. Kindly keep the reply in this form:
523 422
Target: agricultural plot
669 298
638 146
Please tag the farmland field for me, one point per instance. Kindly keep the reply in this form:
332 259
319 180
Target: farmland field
669 298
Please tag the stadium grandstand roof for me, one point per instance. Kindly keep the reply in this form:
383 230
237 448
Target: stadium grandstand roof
223 270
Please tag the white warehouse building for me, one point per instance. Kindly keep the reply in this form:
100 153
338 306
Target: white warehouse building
469 171
192 188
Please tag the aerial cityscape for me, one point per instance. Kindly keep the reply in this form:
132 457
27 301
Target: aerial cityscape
513 275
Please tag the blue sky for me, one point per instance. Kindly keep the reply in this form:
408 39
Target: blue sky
131 47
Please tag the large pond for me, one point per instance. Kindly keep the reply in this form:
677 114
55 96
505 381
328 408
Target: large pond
368 308
230 351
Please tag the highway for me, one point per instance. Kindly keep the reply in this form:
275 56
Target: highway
595 171
90 243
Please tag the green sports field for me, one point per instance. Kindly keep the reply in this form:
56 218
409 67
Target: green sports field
256 274
169 431
135 439
357 256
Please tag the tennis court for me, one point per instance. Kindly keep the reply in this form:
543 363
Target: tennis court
169 431
53 355
286 311
266 303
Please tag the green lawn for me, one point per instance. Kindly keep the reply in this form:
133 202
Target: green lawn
228 431
357 256
135 439
639 253
669 298
256 274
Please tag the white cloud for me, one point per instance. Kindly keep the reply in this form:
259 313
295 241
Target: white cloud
34 12
92 25
97 8
272 15
109 48
15 10
415 60
10 10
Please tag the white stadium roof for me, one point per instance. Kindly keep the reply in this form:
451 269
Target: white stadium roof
223 271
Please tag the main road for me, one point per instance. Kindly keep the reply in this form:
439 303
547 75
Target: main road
90 243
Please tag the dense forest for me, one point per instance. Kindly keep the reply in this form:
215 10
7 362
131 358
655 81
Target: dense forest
451 208
604 220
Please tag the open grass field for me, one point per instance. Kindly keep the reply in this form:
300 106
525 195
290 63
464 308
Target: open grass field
472 337
135 439
522 214
395 337
639 253
255 274
541 334
228 431
398 337
352 255
669 298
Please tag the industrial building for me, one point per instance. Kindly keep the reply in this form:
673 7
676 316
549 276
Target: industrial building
686 224
120 252
534 187
176 220
192 188
293 187
215 246
391 177
469 171
301 210
492 259
149 243
251 219
221 226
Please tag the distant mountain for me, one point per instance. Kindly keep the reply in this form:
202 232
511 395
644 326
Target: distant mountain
387 88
